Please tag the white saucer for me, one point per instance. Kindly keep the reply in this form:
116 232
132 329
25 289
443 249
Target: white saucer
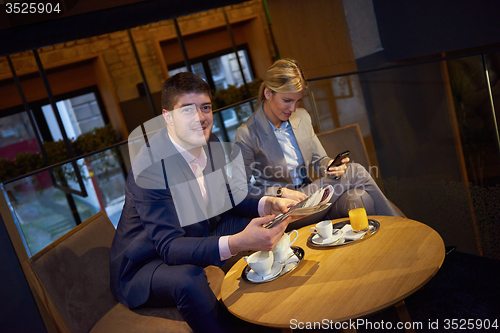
290 263
349 234
288 256
252 276
318 240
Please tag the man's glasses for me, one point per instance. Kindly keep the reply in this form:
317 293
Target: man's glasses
192 109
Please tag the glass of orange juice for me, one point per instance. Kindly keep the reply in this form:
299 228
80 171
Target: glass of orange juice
357 214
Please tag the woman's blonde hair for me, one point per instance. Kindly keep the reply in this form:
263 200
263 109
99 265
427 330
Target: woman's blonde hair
284 76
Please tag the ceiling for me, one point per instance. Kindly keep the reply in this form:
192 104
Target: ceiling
77 19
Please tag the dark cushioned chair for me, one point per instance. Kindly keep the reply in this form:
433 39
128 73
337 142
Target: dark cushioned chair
70 281
348 138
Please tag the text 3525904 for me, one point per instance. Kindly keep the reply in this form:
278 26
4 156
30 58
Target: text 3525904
32 7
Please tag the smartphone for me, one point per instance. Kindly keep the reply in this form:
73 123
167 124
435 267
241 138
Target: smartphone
338 160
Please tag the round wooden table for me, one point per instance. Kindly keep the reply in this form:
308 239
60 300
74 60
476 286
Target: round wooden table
344 282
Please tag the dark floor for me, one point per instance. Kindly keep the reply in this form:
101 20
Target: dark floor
466 288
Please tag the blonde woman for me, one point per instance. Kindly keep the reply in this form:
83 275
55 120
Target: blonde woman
279 146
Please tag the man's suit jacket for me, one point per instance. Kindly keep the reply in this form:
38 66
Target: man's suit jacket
263 156
150 233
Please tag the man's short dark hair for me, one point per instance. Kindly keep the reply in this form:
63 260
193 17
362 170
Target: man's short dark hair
180 84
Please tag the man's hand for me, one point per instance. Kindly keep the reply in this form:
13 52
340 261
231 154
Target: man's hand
338 171
292 194
257 238
277 206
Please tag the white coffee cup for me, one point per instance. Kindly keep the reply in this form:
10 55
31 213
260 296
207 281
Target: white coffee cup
282 249
324 229
261 262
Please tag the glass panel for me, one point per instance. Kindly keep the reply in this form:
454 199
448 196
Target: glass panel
233 118
197 69
86 113
477 121
493 63
65 175
218 73
104 181
41 211
431 137
216 129
44 211
16 136
108 180
226 71
339 102
414 136
475 117
79 115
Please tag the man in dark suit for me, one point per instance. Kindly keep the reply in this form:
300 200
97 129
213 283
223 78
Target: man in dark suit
181 213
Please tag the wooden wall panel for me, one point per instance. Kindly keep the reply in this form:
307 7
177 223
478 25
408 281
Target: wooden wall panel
61 79
315 33
259 49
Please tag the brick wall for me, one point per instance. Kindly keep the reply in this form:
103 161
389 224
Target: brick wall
117 52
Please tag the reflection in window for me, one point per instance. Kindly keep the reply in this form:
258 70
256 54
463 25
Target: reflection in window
220 71
197 69
42 211
16 136
79 115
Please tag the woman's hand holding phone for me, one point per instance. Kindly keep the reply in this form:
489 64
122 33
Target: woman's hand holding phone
337 166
